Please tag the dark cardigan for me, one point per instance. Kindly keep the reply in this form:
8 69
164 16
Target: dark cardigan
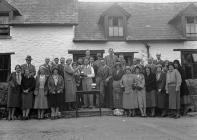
150 82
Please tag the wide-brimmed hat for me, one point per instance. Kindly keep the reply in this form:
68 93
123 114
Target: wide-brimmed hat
159 65
55 68
128 68
28 57
117 63
148 66
138 67
98 55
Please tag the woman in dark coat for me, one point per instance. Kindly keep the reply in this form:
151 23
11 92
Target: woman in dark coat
14 92
183 89
150 84
161 94
56 87
28 86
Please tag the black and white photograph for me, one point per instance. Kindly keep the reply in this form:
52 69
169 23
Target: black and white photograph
98 69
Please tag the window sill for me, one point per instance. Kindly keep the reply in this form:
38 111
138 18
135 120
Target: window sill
5 37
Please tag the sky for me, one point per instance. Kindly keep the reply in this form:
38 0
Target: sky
152 1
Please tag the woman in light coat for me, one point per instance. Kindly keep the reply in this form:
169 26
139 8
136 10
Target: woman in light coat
41 92
173 83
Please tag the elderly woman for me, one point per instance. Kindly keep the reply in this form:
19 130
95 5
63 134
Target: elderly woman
56 87
129 95
40 92
117 91
28 86
70 84
150 83
161 94
140 90
14 92
173 83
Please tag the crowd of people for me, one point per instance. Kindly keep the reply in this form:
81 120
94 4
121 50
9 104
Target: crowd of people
149 90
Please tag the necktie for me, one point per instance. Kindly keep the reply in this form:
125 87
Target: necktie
18 79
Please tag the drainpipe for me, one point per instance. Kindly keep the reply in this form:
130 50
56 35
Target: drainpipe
147 49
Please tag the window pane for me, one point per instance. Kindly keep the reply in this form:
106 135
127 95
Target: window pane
115 21
110 21
187 28
111 31
195 28
190 19
192 28
116 31
120 31
120 21
194 57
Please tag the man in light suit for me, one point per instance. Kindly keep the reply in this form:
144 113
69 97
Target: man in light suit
29 66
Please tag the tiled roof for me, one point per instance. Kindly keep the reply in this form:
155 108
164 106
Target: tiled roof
148 21
45 11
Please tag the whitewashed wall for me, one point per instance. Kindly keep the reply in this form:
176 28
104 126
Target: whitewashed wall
41 42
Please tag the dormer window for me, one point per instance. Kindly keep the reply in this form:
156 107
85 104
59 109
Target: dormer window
116 26
191 26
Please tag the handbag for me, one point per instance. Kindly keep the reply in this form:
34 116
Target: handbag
36 92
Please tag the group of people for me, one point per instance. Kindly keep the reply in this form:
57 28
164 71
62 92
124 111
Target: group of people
155 87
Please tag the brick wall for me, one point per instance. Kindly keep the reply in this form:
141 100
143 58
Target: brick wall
41 42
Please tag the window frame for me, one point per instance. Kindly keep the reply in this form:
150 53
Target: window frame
6 36
191 36
118 37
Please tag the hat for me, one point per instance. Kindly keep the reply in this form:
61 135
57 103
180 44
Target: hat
28 57
148 66
158 54
138 67
42 67
55 68
128 68
159 65
98 54
118 63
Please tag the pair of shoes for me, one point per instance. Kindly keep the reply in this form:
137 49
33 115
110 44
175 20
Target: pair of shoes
177 116
53 118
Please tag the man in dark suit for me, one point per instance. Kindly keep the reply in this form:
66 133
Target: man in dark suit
47 67
29 66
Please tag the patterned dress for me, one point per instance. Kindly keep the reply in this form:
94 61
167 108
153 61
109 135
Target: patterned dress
41 93
117 91
129 95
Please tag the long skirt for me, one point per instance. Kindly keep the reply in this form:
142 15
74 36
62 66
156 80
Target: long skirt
14 97
117 94
70 91
130 100
27 100
141 98
174 97
108 97
151 99
162 100
55 100
41 100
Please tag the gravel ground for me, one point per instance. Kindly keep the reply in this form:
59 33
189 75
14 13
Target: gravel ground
101 128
